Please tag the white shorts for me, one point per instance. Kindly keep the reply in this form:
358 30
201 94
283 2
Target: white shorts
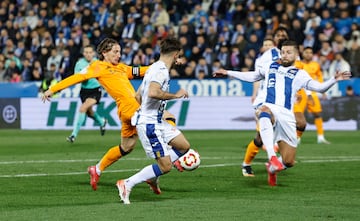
285 125
155 138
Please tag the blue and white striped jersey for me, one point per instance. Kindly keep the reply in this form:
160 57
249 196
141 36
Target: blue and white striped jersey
281 84
151 110
270 55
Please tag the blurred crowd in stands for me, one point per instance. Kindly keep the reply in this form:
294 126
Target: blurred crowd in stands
43 39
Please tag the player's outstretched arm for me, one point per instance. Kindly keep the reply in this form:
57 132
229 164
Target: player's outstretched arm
249 76
314 85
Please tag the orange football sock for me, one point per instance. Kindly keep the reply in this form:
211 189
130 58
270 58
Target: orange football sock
319 125
251 152
111 156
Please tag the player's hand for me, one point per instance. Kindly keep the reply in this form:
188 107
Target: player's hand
220 73
46 96
182 93
345 75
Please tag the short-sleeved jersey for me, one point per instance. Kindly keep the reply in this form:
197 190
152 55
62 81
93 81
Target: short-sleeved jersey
314 70
91 83
151 110
113 78
270 55
281 84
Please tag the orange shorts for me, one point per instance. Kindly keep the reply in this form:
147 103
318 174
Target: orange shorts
125 112
301 101
311 102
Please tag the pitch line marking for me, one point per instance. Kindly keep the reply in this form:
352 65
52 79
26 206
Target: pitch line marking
303 158
338 159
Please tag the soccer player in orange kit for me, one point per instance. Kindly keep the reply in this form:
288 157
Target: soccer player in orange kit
310 99
114 78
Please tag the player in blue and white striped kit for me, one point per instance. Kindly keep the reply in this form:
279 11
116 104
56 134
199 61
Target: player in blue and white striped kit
277 123
160 140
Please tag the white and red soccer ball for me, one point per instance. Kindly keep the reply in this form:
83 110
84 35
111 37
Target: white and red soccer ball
190 160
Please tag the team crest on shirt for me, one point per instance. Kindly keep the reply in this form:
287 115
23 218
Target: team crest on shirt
291 73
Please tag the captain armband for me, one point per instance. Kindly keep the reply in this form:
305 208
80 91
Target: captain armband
136 71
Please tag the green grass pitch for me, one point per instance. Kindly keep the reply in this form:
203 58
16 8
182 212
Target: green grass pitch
42 177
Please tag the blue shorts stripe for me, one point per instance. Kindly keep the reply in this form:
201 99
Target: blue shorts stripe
157 148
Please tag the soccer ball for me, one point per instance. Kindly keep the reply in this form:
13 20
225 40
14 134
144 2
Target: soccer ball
190 160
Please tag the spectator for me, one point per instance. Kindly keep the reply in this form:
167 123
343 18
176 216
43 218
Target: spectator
66 66
219 8
353 57
343 23
296 32
37 72
102 16
208 55
11 70
87 17
127 54
54 59
32 19
350 91
224 56
159 16
235 59
189 71
11 57
20 49
238 14
49 78
15 77
326 50
339 44
202 69
26 73
145 28
129 30
216 65
2 68
339 64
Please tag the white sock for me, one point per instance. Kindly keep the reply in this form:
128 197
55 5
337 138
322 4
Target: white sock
98 171
174 155
267 135
141 176
281 161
